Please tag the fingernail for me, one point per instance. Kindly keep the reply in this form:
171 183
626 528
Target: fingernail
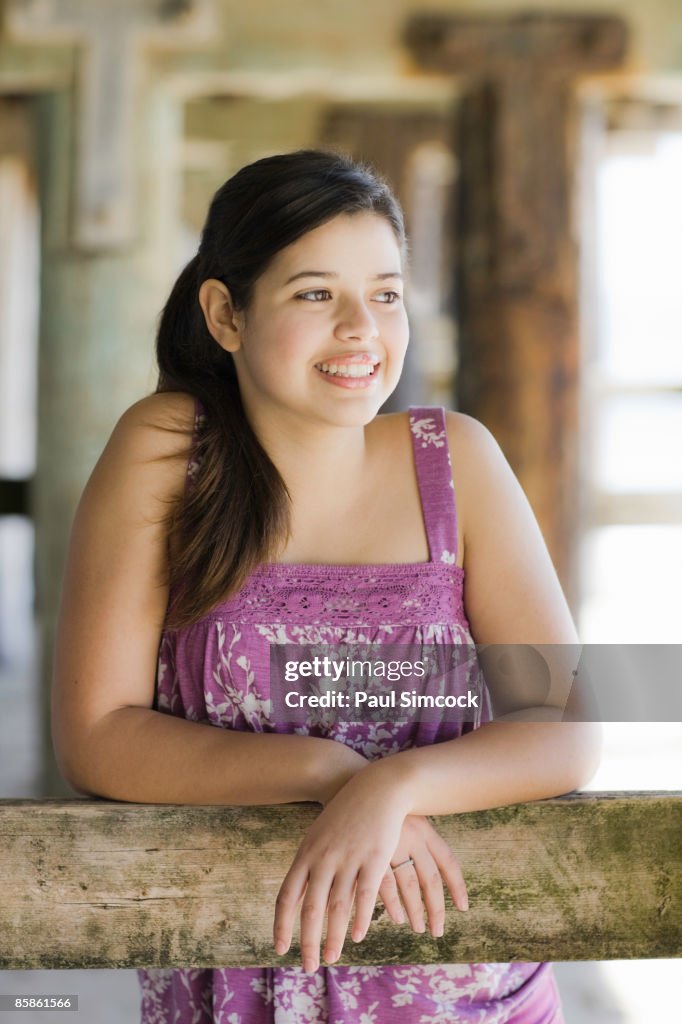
401 917
331 956
357 936
280 947
437 931
309 965
464 902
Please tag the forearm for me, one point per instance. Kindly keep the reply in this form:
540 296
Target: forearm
503 762
144 756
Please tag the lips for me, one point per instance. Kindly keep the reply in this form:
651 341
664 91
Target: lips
351 366
353 357
353 371
353 376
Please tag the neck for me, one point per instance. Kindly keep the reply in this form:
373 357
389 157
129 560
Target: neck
321 464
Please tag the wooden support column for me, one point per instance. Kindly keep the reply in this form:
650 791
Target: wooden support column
110 201
389 138
518 146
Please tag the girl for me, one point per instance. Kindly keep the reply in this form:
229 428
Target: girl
304 516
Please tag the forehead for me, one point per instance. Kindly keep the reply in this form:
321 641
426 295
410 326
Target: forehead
362 240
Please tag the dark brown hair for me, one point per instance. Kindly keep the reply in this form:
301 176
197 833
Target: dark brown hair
236 514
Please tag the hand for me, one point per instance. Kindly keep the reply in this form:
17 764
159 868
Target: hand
434 863
345 854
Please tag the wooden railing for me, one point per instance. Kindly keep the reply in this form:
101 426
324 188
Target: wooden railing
92 883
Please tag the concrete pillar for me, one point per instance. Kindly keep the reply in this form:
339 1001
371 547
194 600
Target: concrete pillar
109 198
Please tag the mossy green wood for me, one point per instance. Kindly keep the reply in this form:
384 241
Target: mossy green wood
87 884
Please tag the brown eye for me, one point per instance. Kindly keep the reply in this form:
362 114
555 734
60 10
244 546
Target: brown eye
316 291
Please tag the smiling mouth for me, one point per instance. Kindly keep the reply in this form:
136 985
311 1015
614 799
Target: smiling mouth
348 369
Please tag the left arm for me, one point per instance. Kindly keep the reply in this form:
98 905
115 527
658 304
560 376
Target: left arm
501 763
512 596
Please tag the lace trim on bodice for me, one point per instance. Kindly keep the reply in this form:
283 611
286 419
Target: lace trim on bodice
408 593
405 593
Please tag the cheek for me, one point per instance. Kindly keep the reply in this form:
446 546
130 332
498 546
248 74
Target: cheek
283 357
294 339
272 339
401 334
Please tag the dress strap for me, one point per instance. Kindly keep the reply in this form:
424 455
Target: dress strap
434 476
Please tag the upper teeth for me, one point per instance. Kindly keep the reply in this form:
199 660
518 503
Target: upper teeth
348 369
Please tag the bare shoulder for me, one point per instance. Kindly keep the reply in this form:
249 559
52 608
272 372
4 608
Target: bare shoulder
489 495
154 433
513 593
472 446
467 436
477 461
164 420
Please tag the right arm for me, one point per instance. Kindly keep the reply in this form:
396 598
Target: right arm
108 740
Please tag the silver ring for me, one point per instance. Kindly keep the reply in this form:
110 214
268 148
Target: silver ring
403 863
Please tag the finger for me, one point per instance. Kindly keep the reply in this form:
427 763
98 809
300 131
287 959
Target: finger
431 884
450 871
312 919
367 888
338 916
410 893
390 897
290 893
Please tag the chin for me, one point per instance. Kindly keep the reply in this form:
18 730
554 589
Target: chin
354 413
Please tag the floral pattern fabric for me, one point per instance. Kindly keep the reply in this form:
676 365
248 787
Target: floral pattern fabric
217 671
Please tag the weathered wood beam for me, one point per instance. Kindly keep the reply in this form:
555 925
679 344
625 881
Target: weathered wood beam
518 148
110 34
86 884
562 45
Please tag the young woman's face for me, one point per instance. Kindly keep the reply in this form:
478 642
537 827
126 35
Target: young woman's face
329 345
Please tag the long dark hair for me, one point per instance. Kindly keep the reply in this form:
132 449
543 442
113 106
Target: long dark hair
237 512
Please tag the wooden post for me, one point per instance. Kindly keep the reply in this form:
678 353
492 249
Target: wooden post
517 281
86 884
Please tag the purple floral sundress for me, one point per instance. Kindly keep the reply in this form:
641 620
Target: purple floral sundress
217 671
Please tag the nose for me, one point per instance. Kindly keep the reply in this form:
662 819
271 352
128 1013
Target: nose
356 322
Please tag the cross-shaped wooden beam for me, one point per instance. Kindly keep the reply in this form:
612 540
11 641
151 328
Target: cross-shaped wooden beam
110 35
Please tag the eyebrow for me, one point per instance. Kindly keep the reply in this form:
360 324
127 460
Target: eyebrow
329 273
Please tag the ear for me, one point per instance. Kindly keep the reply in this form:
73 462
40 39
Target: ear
223 323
